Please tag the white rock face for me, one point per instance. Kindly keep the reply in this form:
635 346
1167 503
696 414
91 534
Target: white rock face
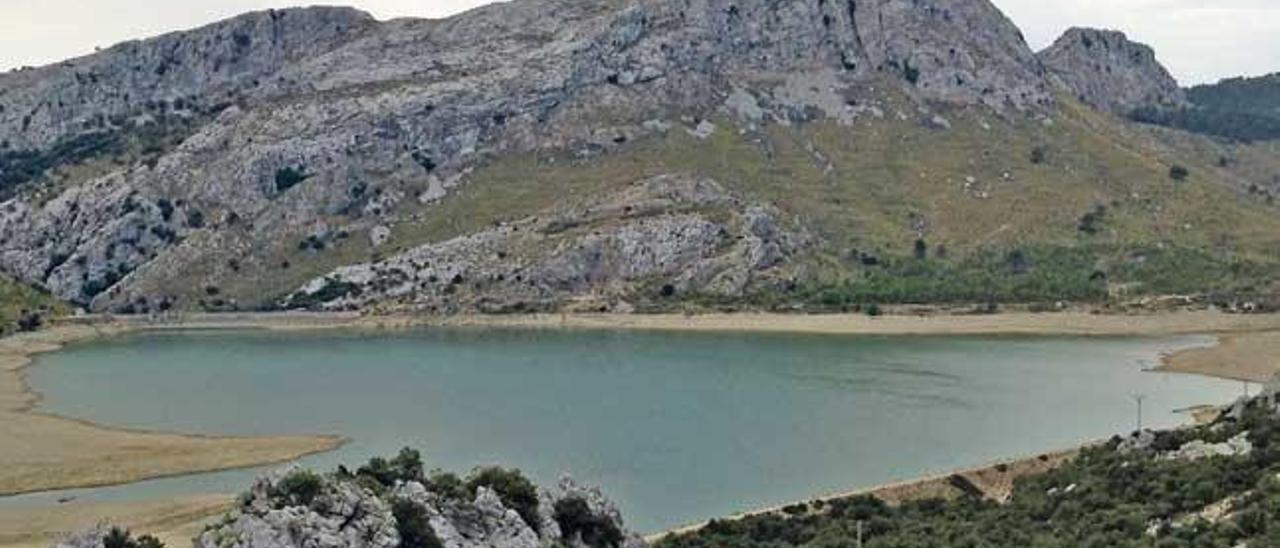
182 72
344 515
1107 71
1238 445
657 229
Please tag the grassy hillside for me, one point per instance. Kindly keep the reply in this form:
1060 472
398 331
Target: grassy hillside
18 301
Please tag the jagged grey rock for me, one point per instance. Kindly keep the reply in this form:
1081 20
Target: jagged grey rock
659 228
346 514
1238 445
1136 442
1106 70
343 515
85 539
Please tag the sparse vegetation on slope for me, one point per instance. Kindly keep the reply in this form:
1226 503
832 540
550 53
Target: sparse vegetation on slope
1243 109
1214 485
23 308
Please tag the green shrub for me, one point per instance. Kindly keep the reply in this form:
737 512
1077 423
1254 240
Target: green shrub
575 519
299 488
447 484
289 177
1039 155
912 74
404 467
121 538
1179 173
516 491
414 525
29 321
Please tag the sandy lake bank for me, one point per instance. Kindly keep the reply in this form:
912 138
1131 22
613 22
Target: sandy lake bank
42 452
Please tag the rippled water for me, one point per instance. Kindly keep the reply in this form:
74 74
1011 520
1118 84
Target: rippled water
676 426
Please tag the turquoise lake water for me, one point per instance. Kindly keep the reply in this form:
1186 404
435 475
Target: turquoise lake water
676 427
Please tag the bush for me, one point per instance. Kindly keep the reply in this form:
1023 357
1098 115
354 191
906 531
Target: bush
1039 155
29 321
299 488
575 518
404 467
414 525
447 484
516 491
1179 173
912 74
121 538
289 177
195 219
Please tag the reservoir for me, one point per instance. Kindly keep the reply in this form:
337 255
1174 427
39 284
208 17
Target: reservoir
675 427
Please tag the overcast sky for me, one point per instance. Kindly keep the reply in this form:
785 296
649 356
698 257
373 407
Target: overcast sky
1199 40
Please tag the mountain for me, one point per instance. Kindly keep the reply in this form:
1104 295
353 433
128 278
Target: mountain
1106 70
617 155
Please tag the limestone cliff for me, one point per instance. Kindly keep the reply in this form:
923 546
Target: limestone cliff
1108 71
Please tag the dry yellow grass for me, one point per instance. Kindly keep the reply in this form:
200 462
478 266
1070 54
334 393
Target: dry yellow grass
174 521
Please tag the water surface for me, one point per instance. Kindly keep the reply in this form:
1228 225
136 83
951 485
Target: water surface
675 426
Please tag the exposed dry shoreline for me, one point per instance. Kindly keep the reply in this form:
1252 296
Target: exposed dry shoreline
174 521
43 451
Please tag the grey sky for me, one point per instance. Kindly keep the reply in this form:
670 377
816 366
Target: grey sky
1199 40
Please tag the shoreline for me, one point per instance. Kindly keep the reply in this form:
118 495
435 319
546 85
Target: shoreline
995 481
49 452
1005 323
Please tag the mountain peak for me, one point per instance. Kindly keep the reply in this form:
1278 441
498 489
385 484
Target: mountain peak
1106 70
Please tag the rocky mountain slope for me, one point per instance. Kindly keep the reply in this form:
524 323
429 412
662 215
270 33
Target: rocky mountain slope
1106 70
615 155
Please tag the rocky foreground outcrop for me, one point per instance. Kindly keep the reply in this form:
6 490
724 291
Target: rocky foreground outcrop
349 514
1106 70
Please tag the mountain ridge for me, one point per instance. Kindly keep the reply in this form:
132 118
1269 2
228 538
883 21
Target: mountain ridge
388 136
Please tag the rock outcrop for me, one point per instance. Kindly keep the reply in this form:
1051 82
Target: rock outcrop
345 513
689 233
1199 449
178 74
1106 70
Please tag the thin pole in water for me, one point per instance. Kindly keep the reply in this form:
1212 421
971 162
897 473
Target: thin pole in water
1138 398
